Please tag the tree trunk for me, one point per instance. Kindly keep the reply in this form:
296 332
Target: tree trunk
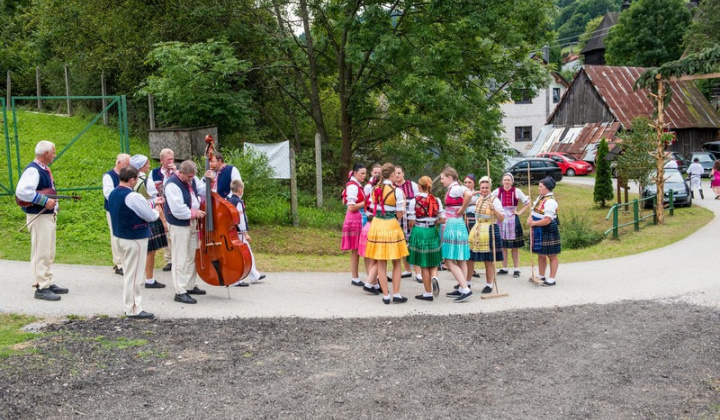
660 156
317 113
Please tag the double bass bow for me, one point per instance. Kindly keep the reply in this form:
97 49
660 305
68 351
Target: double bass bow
222 258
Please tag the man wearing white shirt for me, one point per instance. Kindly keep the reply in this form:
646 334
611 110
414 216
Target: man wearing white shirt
225 174
695 172
110 180
41 219
159 176
130 213
182 210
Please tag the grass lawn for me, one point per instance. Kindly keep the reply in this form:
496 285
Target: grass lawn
83 233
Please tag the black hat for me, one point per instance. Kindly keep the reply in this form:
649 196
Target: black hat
548 182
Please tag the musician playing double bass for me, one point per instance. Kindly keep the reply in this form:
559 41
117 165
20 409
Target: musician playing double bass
41 218
182 211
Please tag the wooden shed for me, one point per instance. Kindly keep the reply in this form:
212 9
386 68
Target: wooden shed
604 94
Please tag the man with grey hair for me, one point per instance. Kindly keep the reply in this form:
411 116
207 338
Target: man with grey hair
110 180
32 188
182 211
159 176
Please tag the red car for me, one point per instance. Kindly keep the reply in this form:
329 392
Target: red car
568 164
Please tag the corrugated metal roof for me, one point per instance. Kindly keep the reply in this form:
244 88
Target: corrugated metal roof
688 108
590 134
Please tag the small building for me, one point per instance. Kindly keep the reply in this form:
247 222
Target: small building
594 50
604 94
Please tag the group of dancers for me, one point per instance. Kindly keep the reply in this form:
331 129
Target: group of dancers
393 219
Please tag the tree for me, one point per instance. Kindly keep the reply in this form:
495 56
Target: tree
199 84
603 190
703 31
648 34
573 19
636 162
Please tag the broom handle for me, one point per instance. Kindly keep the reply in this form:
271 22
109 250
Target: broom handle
532 262
492 231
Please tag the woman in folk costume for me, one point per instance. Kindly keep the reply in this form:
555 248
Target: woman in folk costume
545 233
410 190
485 236
424 246
371 283
511 229
455 250
386 240
354 199
469 183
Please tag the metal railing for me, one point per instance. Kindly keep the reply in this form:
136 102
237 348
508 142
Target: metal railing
615 213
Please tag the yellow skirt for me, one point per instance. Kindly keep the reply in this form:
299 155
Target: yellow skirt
386 240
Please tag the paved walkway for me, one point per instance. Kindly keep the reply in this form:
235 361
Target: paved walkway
686 270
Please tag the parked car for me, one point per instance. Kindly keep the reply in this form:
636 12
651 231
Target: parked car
539 169
682 163
707 160
568 164
712 147
674 181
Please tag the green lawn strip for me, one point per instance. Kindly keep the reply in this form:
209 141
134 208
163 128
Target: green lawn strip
11 333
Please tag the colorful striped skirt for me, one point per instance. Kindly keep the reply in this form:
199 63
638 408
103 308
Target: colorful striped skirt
363 239
158 237
386 240
481 247
351 231
455 240
425 248
546 239
511 232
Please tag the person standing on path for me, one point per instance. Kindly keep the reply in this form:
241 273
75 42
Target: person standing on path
42 219
511 229
110 180
694 172
425 247
715 179
182 211
545 233
130 215
410 190
454 235
484 239
159 176
469 183
354 199
237 189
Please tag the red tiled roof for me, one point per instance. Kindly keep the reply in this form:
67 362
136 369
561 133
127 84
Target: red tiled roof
688 108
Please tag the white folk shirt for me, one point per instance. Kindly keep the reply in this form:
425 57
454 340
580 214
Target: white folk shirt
521 197
351 192
550 208
137 203
108 186
455 190
174 199
695 170
399 199
429 220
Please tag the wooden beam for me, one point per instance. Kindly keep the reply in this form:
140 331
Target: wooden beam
695 77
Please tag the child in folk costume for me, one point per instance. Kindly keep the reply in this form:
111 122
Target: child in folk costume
410 190
386 240
511 229
455 249
354 199
485 236
237 188
545 233
158 238
469 183
424 246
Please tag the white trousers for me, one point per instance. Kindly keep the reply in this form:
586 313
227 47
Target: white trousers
695 183
117 260
42 251
254 274
185 242
134 257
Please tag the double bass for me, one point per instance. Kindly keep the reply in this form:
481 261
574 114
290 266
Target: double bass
222 258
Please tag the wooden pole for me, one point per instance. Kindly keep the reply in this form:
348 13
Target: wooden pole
37 87
67 90
493 247
151 111
532 261
660 156
293 189
318 170
103 90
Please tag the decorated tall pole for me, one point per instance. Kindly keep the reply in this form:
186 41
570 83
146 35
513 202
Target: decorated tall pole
660 154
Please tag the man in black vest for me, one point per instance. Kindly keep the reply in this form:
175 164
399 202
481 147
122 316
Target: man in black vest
225 174
182 210
130 213
41 219
110 180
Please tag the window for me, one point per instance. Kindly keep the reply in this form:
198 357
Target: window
556 95
538 164
523 133
522 97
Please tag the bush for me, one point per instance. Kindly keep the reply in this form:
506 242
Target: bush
576 233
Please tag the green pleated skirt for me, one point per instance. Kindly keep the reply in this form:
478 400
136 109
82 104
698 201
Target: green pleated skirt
425 247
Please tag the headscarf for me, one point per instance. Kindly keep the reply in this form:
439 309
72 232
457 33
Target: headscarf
549 183
138 161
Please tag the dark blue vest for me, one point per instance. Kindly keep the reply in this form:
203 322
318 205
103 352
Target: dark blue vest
116 181
45 182
223 181
237 200
157 175
126 223
186 198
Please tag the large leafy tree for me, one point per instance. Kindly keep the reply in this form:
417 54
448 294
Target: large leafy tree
648 34
573 18
703 32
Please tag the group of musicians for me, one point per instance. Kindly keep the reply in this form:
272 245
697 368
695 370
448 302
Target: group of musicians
145 212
